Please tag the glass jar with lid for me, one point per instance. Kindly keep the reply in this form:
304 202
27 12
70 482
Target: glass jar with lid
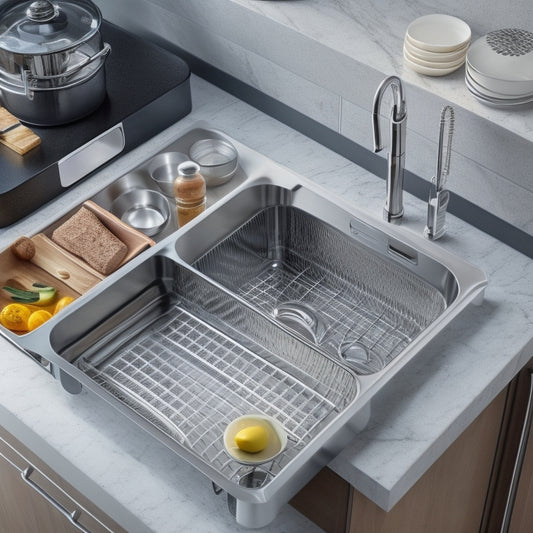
189 192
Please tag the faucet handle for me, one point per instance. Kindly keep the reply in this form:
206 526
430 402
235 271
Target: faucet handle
399 110
393 210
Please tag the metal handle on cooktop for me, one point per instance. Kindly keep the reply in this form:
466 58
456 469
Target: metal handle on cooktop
524 438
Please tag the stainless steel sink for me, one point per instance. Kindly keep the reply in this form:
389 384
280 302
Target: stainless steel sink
280 300
358 290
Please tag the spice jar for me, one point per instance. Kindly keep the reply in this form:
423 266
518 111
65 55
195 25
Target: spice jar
189 192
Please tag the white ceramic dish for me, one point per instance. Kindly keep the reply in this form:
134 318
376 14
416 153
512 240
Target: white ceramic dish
439 33
433 64
437 57
495 102
276 439
428 71
488 93
497 57
514 88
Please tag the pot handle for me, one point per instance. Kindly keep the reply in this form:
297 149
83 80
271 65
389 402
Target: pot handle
104 52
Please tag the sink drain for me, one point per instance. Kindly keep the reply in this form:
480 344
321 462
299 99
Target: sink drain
357 356
301 318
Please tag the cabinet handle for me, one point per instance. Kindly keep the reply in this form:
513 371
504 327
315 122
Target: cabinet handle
71 517
524 437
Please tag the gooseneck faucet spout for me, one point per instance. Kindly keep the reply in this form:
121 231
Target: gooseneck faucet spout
393 210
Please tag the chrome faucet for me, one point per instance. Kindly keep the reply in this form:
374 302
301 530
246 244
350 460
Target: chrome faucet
393 210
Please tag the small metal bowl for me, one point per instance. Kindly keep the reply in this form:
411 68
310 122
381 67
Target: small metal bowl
163 169
217 159
143 209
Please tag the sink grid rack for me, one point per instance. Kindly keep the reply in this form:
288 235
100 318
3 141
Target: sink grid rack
352 303
347 314
191 380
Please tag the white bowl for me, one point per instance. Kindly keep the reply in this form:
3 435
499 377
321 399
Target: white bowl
515 88
439 33
498 103
491 57
485 91
437 57
276 435
428 71
433 64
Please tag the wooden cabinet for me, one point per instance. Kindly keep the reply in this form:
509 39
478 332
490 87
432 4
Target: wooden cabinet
34 499
483 483
449 498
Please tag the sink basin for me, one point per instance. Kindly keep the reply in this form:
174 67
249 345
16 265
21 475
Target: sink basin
357 290
279 300
353 303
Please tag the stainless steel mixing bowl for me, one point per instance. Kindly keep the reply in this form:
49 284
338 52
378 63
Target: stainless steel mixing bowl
143 209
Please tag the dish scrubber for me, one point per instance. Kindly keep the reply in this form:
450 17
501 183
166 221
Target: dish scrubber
16 136
85 236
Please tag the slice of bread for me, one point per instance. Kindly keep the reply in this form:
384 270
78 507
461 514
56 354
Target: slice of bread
85 236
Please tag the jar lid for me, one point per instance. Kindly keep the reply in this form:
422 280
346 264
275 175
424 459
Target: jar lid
188 169
44 27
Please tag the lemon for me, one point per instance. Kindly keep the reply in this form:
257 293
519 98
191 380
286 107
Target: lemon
252 439
62 303
38 318
15 317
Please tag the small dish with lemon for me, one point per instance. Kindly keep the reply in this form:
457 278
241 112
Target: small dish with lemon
254 439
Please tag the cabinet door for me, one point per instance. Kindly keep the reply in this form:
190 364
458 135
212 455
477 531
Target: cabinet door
511 507
35 500
450 496
326 501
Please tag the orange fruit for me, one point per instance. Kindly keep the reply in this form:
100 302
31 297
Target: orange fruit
15 317
38 318
62 303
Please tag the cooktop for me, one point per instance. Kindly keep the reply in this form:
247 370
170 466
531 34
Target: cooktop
147 90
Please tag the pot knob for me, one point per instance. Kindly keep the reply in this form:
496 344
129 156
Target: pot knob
41 11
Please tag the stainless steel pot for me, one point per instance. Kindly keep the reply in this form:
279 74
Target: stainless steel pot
51 60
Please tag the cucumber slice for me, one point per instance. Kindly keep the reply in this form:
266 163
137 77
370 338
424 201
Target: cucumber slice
44 294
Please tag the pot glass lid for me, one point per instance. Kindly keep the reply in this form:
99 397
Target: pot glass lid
44 27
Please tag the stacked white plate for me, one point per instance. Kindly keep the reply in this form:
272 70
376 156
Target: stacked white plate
436 45
499 68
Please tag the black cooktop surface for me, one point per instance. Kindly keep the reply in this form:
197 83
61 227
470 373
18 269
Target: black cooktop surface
138 73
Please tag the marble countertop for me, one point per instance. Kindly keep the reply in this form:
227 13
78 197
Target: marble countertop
145 487
372 34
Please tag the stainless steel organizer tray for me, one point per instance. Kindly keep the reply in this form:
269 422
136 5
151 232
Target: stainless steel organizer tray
249 309
139 178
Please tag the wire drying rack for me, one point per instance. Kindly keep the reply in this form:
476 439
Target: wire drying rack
352 303
345 313
191 379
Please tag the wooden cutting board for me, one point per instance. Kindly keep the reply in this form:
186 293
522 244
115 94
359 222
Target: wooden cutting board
20 139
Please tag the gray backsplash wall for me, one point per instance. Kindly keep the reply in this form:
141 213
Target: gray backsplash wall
490 165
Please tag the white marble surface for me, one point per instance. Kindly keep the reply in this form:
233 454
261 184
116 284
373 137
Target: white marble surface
421 412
